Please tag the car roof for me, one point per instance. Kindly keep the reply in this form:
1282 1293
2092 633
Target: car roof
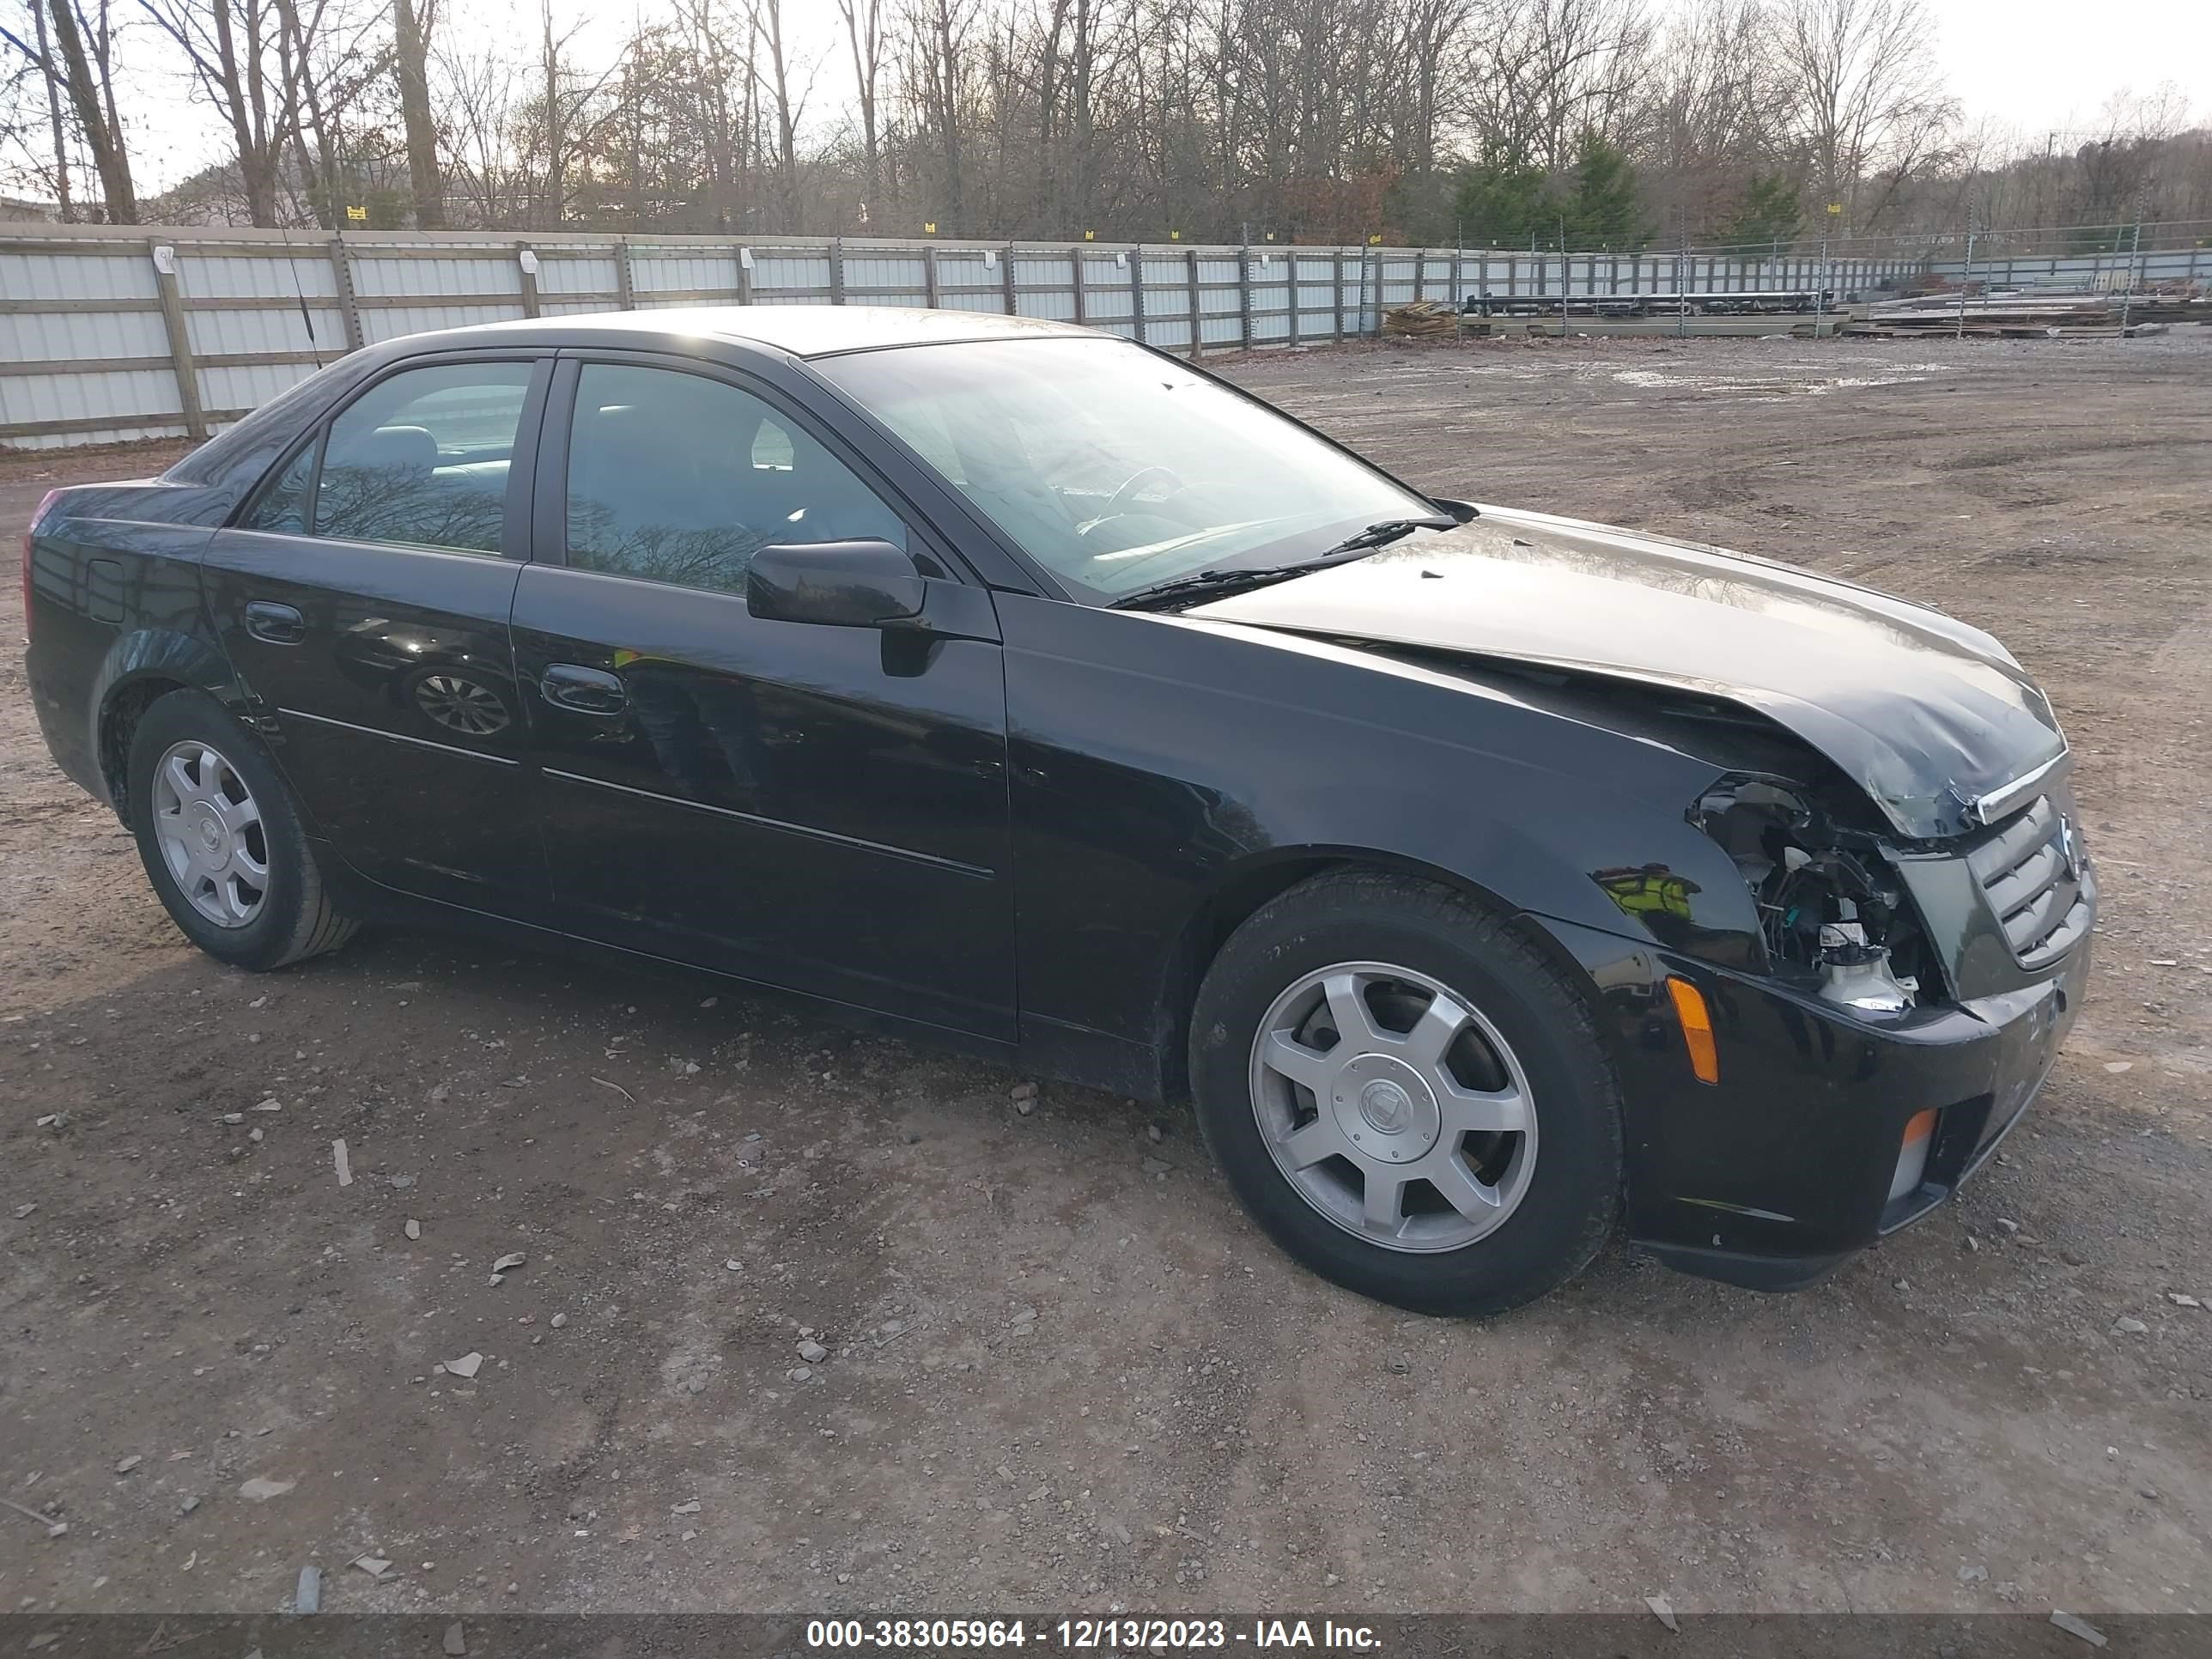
804 330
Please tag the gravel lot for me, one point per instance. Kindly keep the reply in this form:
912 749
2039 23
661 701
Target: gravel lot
1062 1372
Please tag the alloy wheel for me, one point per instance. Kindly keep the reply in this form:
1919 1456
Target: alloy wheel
1393 1106
211 834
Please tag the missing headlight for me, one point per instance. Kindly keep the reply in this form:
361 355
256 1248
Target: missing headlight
1833 916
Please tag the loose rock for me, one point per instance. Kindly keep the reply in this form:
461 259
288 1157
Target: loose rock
260 1489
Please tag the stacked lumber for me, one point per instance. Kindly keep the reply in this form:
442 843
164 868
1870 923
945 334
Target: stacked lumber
2026 314
1420 320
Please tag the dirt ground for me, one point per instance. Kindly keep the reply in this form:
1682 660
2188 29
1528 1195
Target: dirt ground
1063 1373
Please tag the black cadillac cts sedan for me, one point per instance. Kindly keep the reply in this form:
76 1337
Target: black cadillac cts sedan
1487 879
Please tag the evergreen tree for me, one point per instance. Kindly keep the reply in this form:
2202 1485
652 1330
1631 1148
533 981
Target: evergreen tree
1602 211
1770 212
1503 203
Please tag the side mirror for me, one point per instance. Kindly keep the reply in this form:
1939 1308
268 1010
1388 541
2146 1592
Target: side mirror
1464 512
861 583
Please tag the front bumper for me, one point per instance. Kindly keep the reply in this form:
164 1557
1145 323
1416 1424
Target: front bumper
1780 1171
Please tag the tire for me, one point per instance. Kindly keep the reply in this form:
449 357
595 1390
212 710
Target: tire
221 839
1282 1118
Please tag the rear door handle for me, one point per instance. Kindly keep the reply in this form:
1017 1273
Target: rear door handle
279 625
585 690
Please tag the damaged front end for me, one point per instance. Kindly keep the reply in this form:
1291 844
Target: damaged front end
1834 914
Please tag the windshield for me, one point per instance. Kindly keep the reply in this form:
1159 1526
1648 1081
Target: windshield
1115 469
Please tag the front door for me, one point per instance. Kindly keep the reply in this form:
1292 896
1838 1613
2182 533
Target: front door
823 808
362 597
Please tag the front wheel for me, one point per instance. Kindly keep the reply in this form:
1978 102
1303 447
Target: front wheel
221 840
1409 1098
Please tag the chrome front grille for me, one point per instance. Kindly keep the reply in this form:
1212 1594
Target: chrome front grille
2036 879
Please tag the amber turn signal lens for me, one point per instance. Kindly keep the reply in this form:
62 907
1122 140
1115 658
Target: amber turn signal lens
1697 1029
1921 1126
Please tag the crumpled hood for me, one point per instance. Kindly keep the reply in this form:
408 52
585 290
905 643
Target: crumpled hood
1925 712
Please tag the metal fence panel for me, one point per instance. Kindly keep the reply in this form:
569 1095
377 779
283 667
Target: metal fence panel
390 322
74 336
102 339
660 270
104 407
568 273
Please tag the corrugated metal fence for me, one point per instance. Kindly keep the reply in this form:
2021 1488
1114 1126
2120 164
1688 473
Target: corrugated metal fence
2080 271
112 333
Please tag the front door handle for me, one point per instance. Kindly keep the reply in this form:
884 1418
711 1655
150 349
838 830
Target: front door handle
278 624
585 690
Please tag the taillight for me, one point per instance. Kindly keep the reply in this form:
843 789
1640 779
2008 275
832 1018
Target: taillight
30 530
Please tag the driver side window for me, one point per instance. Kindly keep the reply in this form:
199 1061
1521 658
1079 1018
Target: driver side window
680 478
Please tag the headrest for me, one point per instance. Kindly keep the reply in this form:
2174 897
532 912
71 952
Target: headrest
393 449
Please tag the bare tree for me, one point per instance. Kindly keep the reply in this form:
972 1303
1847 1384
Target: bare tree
936 69
1717 114
1865 95
781 80
50 79
480 119
1214 119
411 37
249 58
863 38
84 42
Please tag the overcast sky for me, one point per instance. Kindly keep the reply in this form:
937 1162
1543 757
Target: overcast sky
2034 66
2040 65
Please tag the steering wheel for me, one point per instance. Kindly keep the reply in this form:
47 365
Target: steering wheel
1136 481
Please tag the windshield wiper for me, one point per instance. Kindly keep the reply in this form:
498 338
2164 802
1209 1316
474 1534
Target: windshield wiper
1353 546
1390 530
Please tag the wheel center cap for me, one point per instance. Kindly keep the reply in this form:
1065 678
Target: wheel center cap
210 834
1385 1108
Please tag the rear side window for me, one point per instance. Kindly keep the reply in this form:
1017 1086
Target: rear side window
421 459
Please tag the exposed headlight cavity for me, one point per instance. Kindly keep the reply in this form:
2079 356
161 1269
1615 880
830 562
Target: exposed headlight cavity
1831 910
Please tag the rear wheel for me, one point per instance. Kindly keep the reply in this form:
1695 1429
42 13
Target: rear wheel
1406 1096
221 840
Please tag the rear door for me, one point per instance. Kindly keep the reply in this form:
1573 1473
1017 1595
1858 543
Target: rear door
363 596
813 806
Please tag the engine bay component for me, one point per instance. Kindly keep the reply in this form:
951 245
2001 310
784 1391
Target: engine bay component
1832 912
1857 975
